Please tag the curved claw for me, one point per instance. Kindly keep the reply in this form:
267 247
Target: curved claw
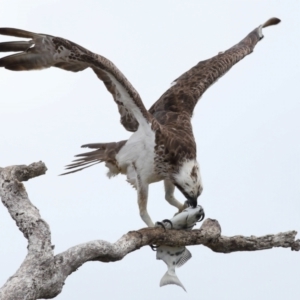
202 216
168 221
153 247
162 225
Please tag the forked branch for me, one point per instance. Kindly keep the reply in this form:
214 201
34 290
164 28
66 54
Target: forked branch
48 272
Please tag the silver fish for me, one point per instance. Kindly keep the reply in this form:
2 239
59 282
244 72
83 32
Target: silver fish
175 257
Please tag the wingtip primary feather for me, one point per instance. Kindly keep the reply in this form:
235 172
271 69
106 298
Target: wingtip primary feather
270 22
15 46
17 32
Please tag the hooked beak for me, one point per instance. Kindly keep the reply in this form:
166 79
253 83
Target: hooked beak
192 201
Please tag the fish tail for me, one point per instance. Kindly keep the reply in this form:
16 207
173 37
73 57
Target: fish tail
171 279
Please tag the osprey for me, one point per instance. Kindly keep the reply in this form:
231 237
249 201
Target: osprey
162 146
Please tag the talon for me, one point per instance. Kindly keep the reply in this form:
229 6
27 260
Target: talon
153 247
168 221
161 224
201 216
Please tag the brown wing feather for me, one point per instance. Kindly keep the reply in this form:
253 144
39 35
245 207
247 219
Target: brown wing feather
190 86
44 51
173 109
18 33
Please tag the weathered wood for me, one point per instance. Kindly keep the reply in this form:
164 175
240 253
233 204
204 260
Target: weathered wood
42 274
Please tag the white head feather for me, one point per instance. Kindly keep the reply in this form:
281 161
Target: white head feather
189 178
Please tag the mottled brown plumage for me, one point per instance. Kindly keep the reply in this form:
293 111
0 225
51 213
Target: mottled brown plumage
162 146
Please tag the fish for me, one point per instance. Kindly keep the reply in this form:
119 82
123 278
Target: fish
175 257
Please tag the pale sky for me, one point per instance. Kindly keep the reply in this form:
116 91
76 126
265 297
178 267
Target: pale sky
247 129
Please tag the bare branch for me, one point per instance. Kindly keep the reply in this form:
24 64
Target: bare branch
104 251
208 235
242 243
42 275
24 173
26 215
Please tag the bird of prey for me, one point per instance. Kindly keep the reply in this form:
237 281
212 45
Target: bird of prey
162 146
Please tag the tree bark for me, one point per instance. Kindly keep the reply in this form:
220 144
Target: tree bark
42 274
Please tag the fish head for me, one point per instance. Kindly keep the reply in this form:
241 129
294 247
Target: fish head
188 218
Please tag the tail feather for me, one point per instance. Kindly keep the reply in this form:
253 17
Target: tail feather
105 152
98 145
171 279
79 169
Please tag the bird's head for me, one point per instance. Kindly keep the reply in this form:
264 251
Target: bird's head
188 181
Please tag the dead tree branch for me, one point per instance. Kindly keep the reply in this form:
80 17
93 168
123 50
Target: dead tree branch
42 274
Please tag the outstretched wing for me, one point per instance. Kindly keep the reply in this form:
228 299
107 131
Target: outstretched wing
45 51
187 89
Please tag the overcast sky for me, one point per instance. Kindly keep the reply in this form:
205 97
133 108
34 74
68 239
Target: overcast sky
247 129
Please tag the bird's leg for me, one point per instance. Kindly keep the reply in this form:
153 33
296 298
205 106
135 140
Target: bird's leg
169 196
142 189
